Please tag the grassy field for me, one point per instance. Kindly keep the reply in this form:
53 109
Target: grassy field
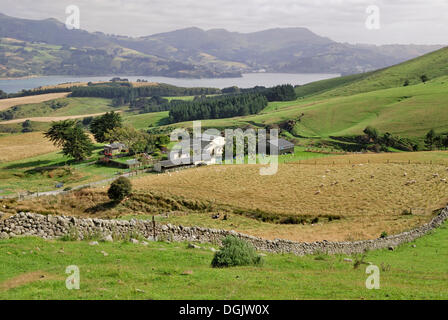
433 65
35 269
22 146
8 103
70 107
340 201
42 172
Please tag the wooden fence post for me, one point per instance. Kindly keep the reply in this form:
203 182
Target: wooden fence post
153 228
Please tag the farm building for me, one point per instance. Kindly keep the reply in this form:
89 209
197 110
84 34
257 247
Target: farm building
114 148
284 146
168 165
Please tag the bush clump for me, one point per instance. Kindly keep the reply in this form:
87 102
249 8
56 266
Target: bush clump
236 252
120 189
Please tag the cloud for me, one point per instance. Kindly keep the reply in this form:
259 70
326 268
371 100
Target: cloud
402 21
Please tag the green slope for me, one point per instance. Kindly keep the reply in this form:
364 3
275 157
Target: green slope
433 65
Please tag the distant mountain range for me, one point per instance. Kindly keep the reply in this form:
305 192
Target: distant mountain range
46 47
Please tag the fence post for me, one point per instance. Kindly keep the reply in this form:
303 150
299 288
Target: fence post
153 228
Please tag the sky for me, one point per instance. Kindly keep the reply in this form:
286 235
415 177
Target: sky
400 21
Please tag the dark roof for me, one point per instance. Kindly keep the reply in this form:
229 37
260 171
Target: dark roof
283 144
115 145
170 164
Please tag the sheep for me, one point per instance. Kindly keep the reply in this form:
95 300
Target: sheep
317 192
405 174
372 177
411 182
435 175
443 180
352 180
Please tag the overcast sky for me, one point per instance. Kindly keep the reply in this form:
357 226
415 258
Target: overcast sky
401 21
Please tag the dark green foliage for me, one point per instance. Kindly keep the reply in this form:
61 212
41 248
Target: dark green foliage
429 139
101 125
148 105
383 234
26 126
78 144
126 93
120 189
59 132
235 252
69 135
217 107
284 92
424 78
371 133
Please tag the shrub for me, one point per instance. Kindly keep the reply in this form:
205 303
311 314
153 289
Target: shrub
235 252
120 189
383 234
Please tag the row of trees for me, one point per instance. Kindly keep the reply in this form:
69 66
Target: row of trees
127 93
216 107
283 92
436 141
377 142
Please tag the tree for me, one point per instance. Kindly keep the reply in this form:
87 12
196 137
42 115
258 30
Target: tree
104 123
78 144
445 142
120 189
59 131
27 126
429 139
371 133
406 83
69 135
136 141
424 78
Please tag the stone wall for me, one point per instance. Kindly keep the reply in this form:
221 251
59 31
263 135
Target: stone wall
50 227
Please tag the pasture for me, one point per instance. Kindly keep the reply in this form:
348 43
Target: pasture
339 198
35 269
8 103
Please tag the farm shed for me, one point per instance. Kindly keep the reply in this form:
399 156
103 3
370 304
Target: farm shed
284 146
170 165
114 148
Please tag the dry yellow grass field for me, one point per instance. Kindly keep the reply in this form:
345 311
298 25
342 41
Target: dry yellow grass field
370 198
8 103
21 146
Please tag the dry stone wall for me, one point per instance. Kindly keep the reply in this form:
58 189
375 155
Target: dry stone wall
50 227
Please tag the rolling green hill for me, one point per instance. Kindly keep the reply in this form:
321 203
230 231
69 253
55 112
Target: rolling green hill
433 65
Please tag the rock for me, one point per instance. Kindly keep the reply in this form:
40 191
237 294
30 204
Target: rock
414 246
262 255
151 238
108 238
213 249
104 253
391 248
187 272
134 241
145 243
93 243
348 260
139 291
193 246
